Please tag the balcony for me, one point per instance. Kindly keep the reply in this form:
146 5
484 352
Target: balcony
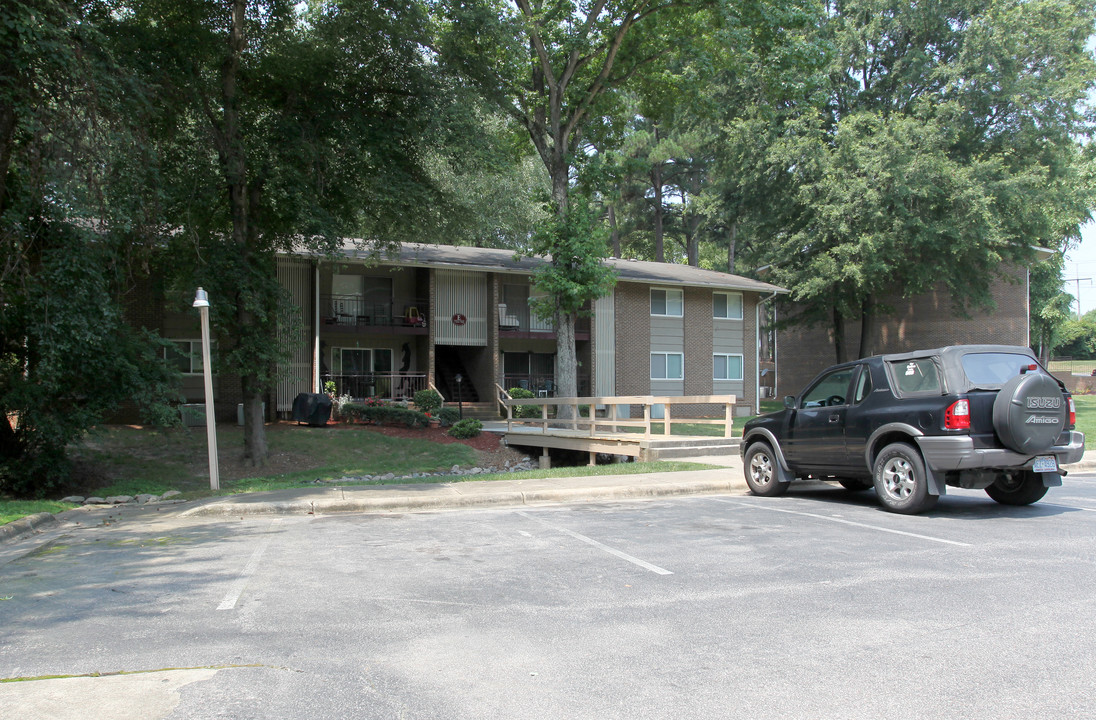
353 312
541 385
385 386
519 321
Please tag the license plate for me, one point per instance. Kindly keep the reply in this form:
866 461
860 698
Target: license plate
1045 463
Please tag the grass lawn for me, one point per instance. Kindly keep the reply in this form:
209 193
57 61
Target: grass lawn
14 509
1086 416
125 460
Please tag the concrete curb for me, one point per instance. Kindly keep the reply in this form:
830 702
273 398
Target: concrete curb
507 498
25 526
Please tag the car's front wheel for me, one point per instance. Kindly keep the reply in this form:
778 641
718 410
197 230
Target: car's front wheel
901 481
1021 488
761 471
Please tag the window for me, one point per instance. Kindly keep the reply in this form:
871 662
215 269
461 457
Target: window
727 306
667 366
830 390
916 376
727 366
667 302
186 356
361 361
995 369
863 385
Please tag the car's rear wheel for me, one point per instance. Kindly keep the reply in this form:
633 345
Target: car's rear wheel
901 481
1021 488
761 471
855 484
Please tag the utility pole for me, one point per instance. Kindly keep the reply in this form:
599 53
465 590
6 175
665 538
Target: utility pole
1078 295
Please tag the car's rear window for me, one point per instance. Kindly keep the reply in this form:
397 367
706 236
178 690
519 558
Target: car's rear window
994 368
916 376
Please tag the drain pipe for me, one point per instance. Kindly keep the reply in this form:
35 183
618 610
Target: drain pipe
757 351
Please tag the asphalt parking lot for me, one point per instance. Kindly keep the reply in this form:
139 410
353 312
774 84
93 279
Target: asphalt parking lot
813 605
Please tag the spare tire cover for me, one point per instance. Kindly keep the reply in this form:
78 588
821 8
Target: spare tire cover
1029 413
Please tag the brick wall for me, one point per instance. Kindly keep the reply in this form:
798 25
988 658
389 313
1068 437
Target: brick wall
924 321
633 346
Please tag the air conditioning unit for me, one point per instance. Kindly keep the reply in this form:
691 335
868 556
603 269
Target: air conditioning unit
193 414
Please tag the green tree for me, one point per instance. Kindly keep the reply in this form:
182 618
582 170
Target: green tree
72 179
285 126
949 144
551 65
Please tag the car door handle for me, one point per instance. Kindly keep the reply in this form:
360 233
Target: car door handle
835 418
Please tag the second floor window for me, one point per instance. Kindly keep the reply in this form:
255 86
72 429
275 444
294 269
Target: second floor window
727 306
667 302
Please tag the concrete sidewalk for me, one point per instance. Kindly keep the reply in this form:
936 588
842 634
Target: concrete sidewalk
724 477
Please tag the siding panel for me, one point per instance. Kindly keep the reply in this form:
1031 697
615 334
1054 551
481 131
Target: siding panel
295 275
464 293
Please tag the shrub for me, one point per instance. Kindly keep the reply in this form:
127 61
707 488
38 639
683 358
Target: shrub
428 401
466 428
386 414
448 416
524 411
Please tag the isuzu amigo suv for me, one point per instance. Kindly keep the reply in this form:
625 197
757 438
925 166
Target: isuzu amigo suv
970 416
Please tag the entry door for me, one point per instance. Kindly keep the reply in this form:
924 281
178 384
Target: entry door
816 436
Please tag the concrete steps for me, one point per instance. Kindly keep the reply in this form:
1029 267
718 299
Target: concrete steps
478 410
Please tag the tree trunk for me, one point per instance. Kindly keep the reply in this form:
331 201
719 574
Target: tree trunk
692 239
732 241
656 183
614 232
868 330
838 334
566 361
243 202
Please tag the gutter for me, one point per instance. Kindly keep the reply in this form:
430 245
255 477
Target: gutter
757 350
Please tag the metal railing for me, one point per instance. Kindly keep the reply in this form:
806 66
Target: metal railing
540 385
357 311
522 319
1072 366
385 386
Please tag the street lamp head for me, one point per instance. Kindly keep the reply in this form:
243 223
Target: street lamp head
201 299
460 377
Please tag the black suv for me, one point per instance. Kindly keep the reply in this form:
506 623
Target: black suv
971 416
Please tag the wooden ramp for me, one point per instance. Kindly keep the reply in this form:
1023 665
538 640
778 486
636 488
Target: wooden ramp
613 432
627 444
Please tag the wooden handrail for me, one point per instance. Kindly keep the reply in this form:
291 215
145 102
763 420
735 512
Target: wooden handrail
612 402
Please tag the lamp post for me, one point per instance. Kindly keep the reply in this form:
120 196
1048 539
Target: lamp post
201 301
460 402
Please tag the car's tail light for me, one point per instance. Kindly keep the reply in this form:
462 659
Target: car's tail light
957 416
1072 413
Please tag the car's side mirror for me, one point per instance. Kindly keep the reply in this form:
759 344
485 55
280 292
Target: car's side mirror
789 402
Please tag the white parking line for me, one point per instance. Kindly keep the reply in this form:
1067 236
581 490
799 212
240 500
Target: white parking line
759 506
612 551
238 586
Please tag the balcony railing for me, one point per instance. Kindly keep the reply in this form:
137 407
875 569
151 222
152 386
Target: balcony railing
356 311
540 385
386 386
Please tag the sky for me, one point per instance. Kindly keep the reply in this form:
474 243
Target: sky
1081 263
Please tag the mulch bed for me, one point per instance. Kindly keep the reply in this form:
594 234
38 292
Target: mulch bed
484 442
